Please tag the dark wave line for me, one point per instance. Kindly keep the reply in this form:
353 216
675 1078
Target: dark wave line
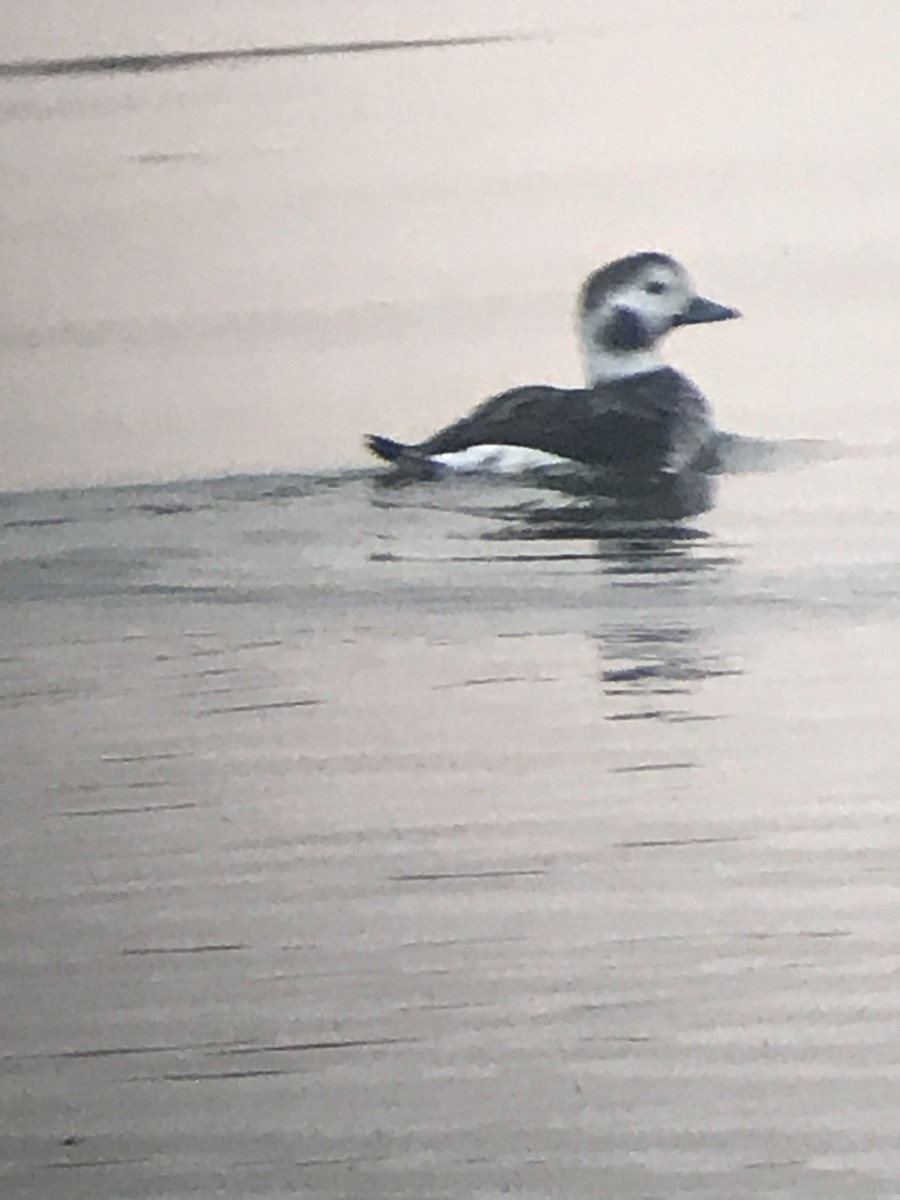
107 63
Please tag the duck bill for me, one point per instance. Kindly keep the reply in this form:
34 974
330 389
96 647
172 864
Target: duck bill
701 311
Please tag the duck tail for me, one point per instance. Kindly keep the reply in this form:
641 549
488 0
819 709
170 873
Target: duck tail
410 462
387 448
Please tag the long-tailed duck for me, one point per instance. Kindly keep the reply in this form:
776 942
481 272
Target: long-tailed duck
635 418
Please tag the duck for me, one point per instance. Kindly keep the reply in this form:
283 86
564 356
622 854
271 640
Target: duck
635 420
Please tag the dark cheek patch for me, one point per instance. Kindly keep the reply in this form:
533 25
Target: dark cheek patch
624 331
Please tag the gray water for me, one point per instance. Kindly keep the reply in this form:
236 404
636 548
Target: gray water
454 840
368 842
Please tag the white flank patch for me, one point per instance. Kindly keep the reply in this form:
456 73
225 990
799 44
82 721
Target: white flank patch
501 459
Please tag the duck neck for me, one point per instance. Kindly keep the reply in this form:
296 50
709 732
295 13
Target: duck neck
603 365
616 343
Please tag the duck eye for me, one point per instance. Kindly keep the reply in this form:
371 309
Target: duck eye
655 287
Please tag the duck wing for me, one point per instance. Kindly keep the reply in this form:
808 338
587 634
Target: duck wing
643 423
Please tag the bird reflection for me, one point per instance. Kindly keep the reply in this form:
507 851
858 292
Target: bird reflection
654 662
655 566
646 576
597 497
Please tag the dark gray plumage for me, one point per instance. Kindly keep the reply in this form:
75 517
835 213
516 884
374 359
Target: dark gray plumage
635 419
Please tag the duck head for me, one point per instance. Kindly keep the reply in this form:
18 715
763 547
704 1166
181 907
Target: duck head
626 307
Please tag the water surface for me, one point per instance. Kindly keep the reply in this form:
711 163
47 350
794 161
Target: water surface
442 841
362 841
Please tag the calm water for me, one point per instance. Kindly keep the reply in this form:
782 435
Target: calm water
450 841
371 842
